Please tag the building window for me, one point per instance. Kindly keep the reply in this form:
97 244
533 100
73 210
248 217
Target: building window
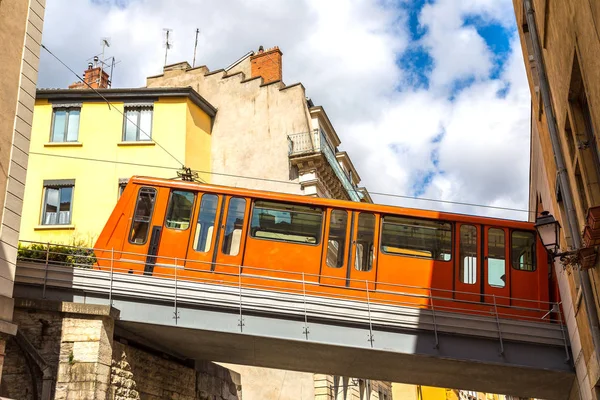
137 124
65 125
122 185
58 201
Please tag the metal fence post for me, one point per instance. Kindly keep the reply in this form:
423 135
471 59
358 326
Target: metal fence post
562 329
241 319
371 339
176 311
437 342
498 324
112 260
46 270
305 332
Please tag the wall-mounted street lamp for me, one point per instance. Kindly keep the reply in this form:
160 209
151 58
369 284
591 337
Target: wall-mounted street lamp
549 230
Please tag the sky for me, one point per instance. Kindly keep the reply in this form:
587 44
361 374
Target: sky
429 97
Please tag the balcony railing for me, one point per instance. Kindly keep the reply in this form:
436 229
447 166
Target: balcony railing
314 142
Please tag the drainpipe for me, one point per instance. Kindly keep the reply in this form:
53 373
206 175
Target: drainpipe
563 180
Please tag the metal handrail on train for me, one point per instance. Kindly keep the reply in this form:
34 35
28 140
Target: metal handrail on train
551 307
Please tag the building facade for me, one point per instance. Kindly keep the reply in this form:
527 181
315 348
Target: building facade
268 130
561 48
21 23
84 150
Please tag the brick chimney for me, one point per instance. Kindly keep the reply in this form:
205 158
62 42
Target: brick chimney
92 77
267 64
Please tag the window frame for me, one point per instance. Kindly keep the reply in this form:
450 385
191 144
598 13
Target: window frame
57 184
148 232
534 256
68 110
251 217
138 108
192 209
451 225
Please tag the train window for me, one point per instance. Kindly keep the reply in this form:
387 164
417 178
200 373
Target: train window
233 226
468 254
287 222
206 223
363 256
142 216
523 250
179 211
417 237
496 262
338 221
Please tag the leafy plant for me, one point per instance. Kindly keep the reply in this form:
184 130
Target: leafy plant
71 255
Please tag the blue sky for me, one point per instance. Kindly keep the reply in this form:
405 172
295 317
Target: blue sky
429 97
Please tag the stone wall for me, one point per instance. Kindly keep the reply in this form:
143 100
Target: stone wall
138 374
68 351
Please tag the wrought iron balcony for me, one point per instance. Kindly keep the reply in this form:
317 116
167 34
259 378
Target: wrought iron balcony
308 143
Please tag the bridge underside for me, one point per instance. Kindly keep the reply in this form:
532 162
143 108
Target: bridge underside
361 362
197 321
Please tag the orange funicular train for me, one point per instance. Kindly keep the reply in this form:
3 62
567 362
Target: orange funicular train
327 247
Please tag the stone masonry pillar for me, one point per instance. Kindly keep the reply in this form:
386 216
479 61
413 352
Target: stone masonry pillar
84 365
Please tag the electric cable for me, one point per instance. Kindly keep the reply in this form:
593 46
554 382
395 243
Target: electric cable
282 181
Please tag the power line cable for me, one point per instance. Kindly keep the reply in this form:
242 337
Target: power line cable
282 181
113 107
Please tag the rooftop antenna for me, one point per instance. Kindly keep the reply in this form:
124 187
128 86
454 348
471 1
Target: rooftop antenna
105 44
195 47
167 44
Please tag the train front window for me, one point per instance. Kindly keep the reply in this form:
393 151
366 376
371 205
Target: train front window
336 243
468 254
523 250
142 215
206 223
417 238
233 226
286 222
496 262
363 256
179 211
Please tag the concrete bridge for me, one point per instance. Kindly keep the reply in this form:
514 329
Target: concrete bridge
254 325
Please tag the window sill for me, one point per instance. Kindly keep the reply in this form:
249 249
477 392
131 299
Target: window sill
138 143
63 144
53 227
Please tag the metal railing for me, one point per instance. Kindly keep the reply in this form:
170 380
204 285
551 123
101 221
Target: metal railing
315 142
184 282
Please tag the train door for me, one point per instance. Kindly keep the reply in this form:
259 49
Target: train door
140 248
232 235
496 274
176 230
336 257
201 248
363 251
467 279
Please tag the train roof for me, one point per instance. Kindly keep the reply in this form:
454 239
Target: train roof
346 204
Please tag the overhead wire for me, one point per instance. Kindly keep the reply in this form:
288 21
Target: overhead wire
113 106
282 181
240 176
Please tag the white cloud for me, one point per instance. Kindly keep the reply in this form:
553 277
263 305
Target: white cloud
345 53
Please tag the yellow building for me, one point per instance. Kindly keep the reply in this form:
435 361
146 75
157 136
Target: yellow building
83 151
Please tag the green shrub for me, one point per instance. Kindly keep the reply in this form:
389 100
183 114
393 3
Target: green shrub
59 254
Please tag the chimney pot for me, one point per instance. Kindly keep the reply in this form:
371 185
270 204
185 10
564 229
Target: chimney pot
261 49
